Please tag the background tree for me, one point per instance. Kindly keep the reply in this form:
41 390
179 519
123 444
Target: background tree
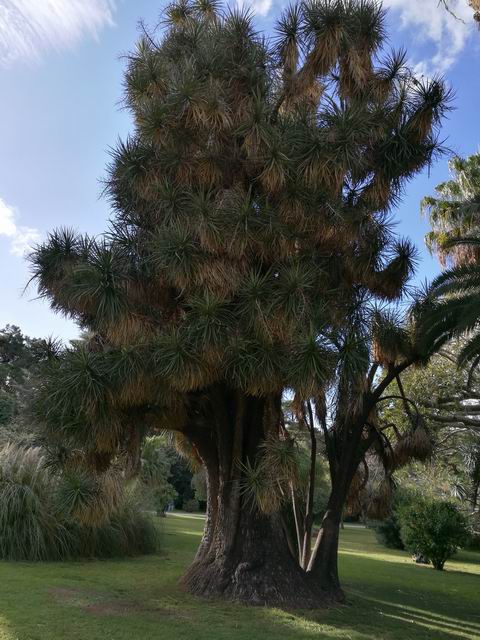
448 398
21 358
455 212
157 462
249 244
455 237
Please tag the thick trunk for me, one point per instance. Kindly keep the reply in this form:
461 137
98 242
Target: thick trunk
257 568
244 555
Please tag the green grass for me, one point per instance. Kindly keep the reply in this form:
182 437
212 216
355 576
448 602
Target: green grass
389 598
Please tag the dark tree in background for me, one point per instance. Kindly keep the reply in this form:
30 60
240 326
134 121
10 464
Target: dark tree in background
249 244
20 359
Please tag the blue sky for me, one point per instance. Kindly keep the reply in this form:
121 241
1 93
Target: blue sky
61 79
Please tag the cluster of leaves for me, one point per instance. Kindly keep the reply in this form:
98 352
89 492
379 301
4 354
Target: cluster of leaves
447 398
199 485
455 211
281 475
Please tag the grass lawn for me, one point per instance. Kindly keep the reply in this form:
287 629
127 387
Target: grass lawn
389 598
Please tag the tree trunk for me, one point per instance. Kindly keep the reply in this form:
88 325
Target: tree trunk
344 455
244 555
258 569
324 561
476 489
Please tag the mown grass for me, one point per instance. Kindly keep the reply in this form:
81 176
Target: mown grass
390 598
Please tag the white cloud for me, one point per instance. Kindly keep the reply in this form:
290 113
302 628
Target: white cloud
429 22
29 28
21 238
259 7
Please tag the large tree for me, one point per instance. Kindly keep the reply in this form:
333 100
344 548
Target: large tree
249 244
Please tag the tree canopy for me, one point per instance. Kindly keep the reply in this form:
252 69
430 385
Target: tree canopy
250 210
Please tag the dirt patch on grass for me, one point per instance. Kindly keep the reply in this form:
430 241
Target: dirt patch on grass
101 603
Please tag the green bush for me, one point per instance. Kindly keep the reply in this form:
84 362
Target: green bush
473 542
190 505
434 529
36 523
7 407
388 532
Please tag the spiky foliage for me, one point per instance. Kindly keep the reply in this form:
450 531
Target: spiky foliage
45 515
455 212
454 295
475 4
249 214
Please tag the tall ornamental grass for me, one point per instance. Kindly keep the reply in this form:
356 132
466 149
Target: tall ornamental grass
47 515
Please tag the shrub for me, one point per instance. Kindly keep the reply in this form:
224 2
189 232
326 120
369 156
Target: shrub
190 505
388 532
37 522
473 542
434 529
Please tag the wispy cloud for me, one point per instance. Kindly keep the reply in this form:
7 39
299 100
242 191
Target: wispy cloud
30 28
429 23
259 7
21 238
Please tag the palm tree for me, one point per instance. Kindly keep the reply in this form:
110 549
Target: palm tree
455 213
250 244
455 294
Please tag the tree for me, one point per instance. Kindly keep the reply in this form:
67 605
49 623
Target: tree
455 237
455 212
448 399
157 464
249 245
432 528
20 359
